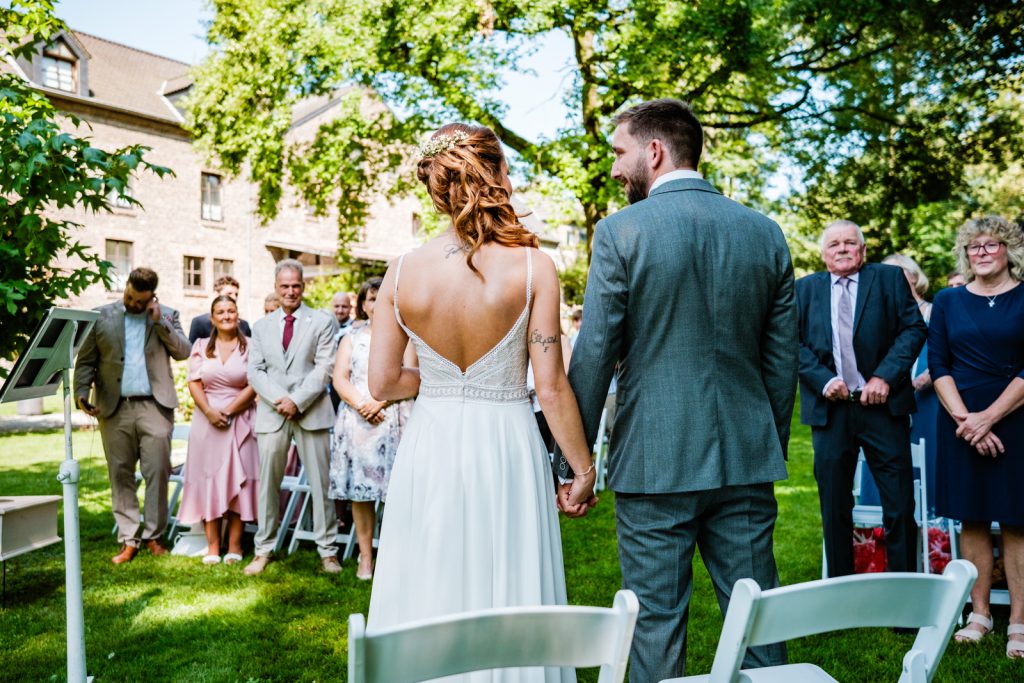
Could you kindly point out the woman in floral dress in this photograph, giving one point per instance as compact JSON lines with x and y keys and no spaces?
{"x":367,"y":431}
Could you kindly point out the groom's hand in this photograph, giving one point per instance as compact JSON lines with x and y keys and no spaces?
{"x":562,"y":496}
{"x":565,"y":496}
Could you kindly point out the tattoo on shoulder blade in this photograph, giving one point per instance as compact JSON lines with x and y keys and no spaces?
{"x":538,"y":338}
{"x":453,"y":249}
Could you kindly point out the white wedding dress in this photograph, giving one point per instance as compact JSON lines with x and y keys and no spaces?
{"x":471,"y":521}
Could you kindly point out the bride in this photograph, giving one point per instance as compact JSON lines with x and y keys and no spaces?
{"x":471,"y":519}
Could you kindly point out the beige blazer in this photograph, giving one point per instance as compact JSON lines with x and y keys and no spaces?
{"x":301,"y":373}
{"x":100,"y":362}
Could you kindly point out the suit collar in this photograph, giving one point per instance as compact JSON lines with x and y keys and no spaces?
{"x":683,"y":185}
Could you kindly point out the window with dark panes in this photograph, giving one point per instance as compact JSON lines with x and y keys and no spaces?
{"x":193,"y":272}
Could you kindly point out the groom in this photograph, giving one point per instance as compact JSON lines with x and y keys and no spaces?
{"x":692,"y":295}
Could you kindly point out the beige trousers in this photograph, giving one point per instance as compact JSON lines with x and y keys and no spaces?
{"x":314,"y":454}
{"x":138,"y":433}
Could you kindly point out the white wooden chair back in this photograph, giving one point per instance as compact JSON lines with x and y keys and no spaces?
{"x":930,"y":602}
{"x":563,"y":636}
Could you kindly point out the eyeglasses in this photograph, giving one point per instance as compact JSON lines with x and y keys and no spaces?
{"x":989,"y":247}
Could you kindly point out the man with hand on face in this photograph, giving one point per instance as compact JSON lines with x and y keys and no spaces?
{"x":125,"y":363}
{"x":291,"y":358}
{"x":860,"y":332}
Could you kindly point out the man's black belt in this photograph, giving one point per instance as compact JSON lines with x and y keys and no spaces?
{"x":855,"y":396}
{"x":135,"y":399}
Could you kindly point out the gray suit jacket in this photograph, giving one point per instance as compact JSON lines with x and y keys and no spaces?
{"x":100,"y":362}
{"x":301,"y":372}
{"x":692,"y":295}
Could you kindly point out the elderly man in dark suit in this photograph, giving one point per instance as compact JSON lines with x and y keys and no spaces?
{"x":692,"y":295}
{"x":860,"y":332}
{"x":126,"y":363}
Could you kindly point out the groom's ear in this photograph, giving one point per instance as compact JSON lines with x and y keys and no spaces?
{"x":656,"y":153}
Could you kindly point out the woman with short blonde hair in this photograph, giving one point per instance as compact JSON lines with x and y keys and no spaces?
{"x":976,"y":357}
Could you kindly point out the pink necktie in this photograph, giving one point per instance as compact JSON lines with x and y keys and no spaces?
{"x":289,"y":329}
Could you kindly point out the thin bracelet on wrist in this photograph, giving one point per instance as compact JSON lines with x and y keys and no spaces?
{"x":587,"y":471}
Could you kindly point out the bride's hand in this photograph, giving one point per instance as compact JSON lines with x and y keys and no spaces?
{"x":581,"y":493}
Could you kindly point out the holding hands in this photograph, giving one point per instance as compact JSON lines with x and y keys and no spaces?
{"x":576,"y":498}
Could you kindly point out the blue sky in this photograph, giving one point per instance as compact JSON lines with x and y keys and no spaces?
{"x":175,"y":28}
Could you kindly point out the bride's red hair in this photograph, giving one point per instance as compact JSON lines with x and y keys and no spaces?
{"x":465,"y":182}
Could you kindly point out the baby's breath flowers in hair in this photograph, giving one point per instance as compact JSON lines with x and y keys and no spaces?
{"x":431,"y":147}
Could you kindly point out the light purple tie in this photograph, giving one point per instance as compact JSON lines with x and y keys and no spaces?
{"x":851,"y":376}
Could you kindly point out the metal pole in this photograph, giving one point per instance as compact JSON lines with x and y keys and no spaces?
{"x":68,"y":476}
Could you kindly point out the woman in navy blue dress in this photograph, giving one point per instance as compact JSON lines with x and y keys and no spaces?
{"x":976,"y":359}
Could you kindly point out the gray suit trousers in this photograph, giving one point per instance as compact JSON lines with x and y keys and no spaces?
{"x":314,"y":454}
{"x":657,"y":533}
{"x":138,"y":432}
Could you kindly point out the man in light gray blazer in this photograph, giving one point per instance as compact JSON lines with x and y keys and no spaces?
{"x":291,"y":357}
{"x":125,"y":363}
{"x":692,"y":295}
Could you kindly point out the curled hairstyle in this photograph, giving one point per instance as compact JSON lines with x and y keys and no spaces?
{"x":211,"y":346}
{"x":371,"y":285}
{"x":465,"y":182}
{"x":999,"y":228}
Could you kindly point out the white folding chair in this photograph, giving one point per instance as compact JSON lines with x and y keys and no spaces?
{"x":177,"y":479}
{"x":298,"y":487}
{"x":929,"y":602}
{"x":871,"y":515}
{"x":559,"y":636}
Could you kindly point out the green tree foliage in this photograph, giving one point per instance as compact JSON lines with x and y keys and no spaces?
{"x":43,"y":170}
{"x":825,"y":84}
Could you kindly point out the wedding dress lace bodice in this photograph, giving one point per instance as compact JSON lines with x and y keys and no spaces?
{"x":499,"y":376}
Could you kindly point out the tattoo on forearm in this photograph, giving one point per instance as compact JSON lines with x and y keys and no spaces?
{"x":453,"y":249}
{"x":538,"y":338}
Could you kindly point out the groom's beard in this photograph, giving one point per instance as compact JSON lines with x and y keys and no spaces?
{"x":637,"y":181}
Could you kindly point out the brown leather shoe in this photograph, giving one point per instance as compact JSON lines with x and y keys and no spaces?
{"x":331,"y":565}
{"x":153,"y":546}
{"x":127,"y":554}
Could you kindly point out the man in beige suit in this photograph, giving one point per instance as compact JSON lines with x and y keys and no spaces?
{"x":291,"y":357}
{"x":125,"y":363}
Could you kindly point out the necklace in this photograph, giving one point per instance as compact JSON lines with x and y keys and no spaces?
{"x":991,"y":300}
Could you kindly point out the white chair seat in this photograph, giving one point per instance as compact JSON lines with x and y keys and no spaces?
{"x":924,"y":601}
{"x":565,"y":636}
{"x":788,"y":673}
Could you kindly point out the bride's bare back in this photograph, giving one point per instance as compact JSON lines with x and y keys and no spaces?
{"x":454,"y":311}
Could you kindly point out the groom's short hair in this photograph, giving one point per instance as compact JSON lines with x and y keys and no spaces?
{"x":672,"y":122}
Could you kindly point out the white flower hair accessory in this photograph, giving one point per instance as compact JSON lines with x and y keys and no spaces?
{"x":431,"y":147}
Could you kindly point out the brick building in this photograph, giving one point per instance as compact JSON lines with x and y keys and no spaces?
{"x":199,"y":224}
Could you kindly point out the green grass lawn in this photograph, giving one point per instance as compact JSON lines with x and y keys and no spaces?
{"x":51,"y":404}
{"x":172,"y":619}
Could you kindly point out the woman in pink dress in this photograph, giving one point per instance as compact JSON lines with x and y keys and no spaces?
{"x":222,"y":470}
